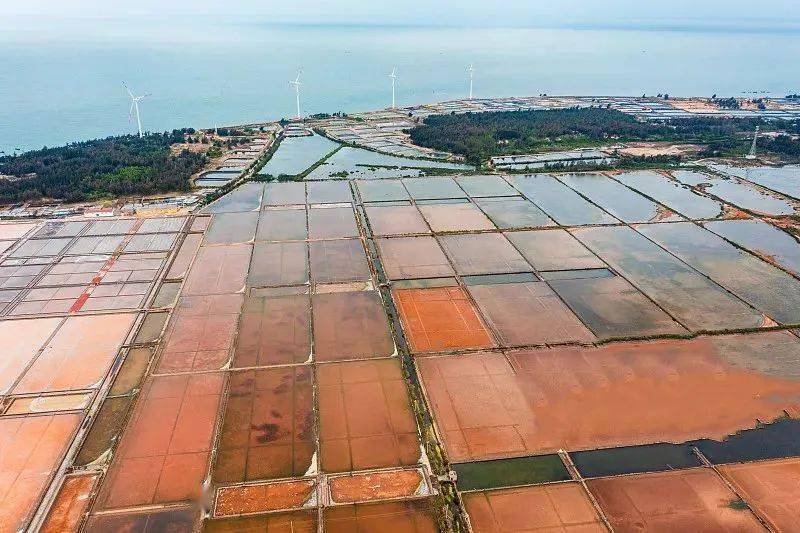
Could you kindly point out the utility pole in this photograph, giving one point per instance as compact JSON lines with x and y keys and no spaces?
{"x":752,"y":154}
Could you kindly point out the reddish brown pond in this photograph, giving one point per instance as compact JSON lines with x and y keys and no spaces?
{"x":365,"y":418}
{"x":771,"y":488}
{"x":267,"y":427}
{"x":164,"y":452}
{"x":350,"y":325}
{"x":563,"y":507}
{"x":681,"y":500}
{"x":440,"y":318}
{"x":397,"y":517}
{"x":493,"y":405}
{"x":274,"y":330}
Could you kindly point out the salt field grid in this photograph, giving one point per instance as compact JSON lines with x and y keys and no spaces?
{"x":319,"y":355}
{"x":316,"y":157}
{"x":387,"y":130}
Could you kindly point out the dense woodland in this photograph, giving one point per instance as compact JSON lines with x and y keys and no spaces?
{"x":478,"y":136}
{"x":115,"y":166}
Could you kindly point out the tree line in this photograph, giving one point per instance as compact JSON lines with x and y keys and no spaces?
{"x":478,"y":136}
{"x":115,"y":166}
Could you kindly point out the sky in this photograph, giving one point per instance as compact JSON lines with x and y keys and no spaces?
{"x":530,"y":13}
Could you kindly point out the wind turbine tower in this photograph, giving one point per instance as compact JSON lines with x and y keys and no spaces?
{"x":297,"y":85}
{"x":752,"y":154}
{"x":135,"y":108}
{"x":393,"y":76}
{"x":471,"y":71}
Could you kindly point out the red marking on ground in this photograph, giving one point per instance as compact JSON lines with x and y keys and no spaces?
{"x":80,"y":302}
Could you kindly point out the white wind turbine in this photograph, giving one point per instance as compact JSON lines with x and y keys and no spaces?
{"x":471,"y":71}
{"x":297,"y":85}
{"x":393,"y":76}
{"x":135,"y":107}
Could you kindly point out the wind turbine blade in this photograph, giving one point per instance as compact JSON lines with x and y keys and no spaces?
{"x":127,"y":89}
{"x":130,"y":113}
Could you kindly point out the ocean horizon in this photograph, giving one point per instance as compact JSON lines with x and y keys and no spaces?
{"x":65,"y":84}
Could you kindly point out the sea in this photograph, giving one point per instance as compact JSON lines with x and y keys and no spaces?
{"x":59,"y":86}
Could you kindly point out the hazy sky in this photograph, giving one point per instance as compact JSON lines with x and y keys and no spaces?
{"x":738,"y":13}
